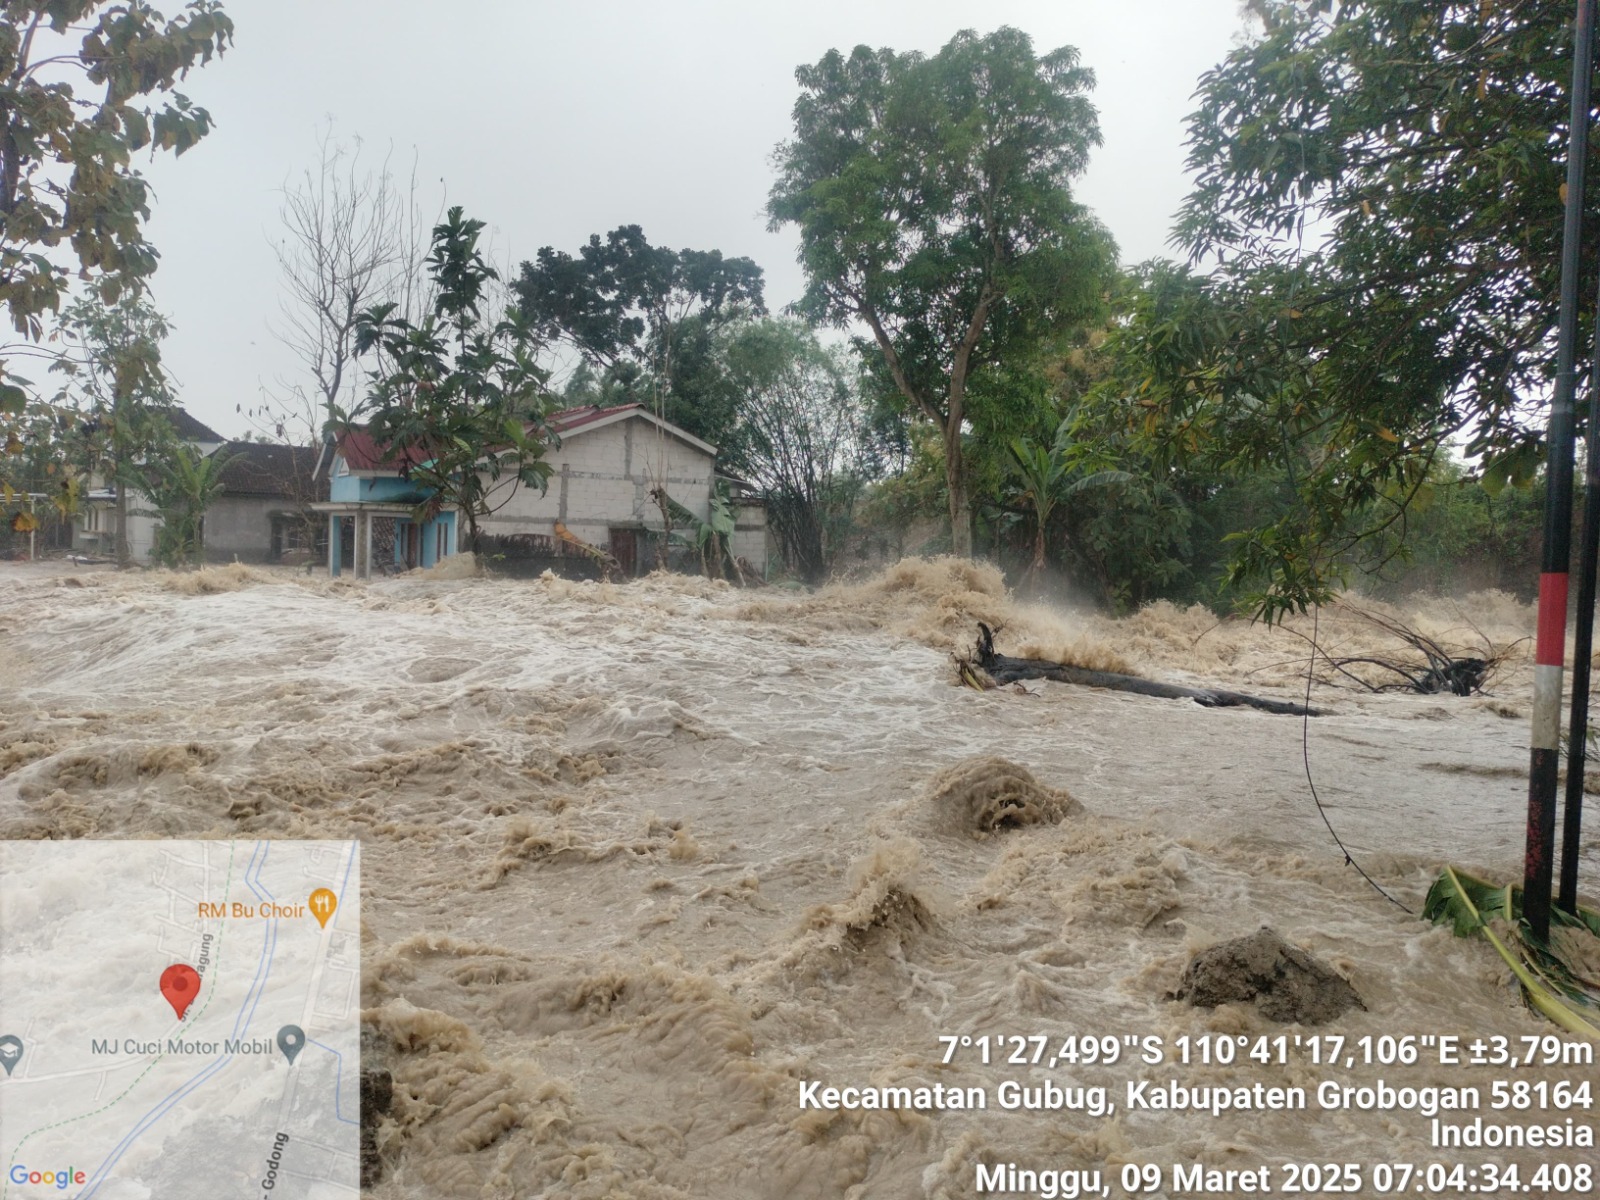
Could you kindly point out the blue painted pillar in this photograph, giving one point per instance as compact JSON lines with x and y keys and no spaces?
{"x":333,"y":545}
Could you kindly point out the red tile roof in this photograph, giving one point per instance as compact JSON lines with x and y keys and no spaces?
{"x":569,"y":419}
{"x":361,"y":452}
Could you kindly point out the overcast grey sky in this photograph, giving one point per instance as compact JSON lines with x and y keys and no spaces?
{"x":552,"y":121}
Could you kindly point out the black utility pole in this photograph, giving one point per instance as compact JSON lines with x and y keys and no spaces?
{"x":1550,"y":655}
{"x":1583,"y":644}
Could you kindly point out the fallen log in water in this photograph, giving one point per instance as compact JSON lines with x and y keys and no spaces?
{"x":1002,"y":668}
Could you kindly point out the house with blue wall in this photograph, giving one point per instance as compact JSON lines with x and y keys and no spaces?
{"x":608,"y":469}
{"x":378,"y":519}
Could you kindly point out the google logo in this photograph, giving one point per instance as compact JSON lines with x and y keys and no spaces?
{"x":21,"y":1174}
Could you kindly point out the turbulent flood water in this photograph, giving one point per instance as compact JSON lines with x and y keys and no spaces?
{"x":639,"y":860}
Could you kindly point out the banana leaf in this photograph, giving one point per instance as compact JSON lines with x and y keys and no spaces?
{"x":1469,"y":904}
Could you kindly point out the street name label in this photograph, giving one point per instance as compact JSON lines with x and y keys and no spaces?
{"x":180,"y":1020}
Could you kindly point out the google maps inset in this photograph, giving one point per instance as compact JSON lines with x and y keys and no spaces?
{"x":180,"y":1020}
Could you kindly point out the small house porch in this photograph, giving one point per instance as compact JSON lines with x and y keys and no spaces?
{"x":386,"y":537}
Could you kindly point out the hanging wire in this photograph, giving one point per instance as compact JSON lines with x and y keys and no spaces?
{"x":1305,"y":757}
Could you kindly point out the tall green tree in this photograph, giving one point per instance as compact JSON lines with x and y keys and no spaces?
{"x":646,"y":316}
{"x":801,"y":435}
{"x":129,"y":396}
{"x":932,"y":196}
{"x":458,"y":397}
{"x":1379,"y":201}
{"x":66,"y":150}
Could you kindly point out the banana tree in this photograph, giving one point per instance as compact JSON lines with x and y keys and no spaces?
{"x":1049,"y":476}
{"x":182,"y":483}
{"x":712,"y":538}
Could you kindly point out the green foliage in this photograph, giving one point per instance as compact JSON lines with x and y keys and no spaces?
{"x":181,"y":483}
{"x":647,"y":317}
{"x":1049,"y":476}
{"x":800,"y":435}
{"x":1420,"y":146}
{"x":459,"y":397}
{"x":1559,"y":990}
{"x":1460,"y":535}
{"x":893,"y":503}
{"x":711,"y":539}
{"x":932,"y":199}
{"x":618,"y":296}
{"x":118,"y":370}
{"x":43,"y":457}
{"x":66,"y":177}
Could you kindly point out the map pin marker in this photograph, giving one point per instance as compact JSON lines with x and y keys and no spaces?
{"x":180,"y":984}
{"x":291,"y":1040}
{"x":10,"y":1051}
{"x":323,"y":902}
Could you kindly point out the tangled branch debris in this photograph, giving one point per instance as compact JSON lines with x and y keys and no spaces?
{"x":1003,"y":669}
{"x":1433,"y":671}
{"x":610,"y":568}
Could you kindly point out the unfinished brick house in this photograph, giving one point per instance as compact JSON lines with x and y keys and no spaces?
{"x":604,"y":473}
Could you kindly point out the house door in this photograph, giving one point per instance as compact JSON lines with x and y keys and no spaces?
{"x":625,"y":549}
{"x":413,"y":550}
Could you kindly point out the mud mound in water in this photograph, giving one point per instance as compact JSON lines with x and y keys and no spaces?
{"x":1282,"y":982}
{"x":889,"y":905}
{"x":208,"y":581}
{"x":454,"y":566}
{"x":978,"y":796}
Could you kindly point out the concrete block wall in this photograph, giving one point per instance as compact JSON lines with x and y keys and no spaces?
{"x":602,"y":478}
{"x":240,"y":527}
{"x":751,"y":539}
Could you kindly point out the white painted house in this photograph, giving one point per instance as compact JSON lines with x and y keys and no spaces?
{"x":94,"y":529}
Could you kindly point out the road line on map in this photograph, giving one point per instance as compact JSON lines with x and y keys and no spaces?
{"x":5,"y":1185}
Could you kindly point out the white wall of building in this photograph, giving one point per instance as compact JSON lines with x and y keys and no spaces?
{"x":602,"y":478}
{"x":751,"y":540}
{"x":94,"y":528}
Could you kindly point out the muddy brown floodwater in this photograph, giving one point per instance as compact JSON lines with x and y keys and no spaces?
{"x":639,"y":860}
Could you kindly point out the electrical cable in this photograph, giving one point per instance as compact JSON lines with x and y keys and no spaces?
{"x":1305,"y":756}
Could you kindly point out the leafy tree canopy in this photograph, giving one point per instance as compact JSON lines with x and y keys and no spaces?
{"x":801,"y":435}
{"x":460,"y":393}
{"x":617,"y":298}
{"x":647,"y":317}
{"x":933,"y":203}
{"x":66,"y":174}
{"x":1381,"y":182}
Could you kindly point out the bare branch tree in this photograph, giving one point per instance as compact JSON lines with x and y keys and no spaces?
{"x":351,"y":234}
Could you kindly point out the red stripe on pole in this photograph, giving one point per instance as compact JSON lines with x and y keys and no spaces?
{"x":1551,"y":649}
